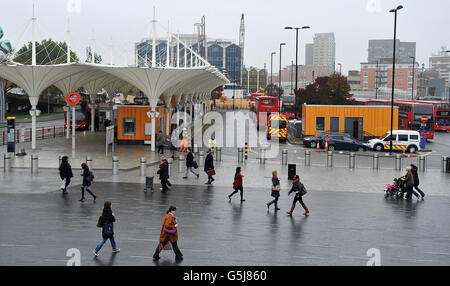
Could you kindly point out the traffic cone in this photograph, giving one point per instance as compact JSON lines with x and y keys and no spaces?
{"x":318,"y":147}
{"x":326,"y":146}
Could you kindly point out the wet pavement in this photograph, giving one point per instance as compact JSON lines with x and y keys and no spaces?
{"x":38,"y":229}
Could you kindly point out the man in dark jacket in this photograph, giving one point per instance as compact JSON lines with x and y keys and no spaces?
{"x":65,"y":172}
{"x":164,"y":175}
{"x":189,"y":164}
{"x":209,"y":165}
{"x":414,"y":170}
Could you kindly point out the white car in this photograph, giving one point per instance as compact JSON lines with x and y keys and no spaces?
{"x":402,"y":140}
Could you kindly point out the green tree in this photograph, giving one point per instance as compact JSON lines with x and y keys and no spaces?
{"x":332,"y":90}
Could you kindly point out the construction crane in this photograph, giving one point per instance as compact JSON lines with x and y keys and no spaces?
{"x":241,"y":42}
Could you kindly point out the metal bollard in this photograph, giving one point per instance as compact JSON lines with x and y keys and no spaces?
{"x":181,"y":164}
{"x":219,"y":154}
{"x":444,"y":164}
{"x":170,"y":161}
{"x":307,"y":158}
{"x":246,"y":151}
{"x":240,"y":154}
{"x":201,"y":158}
{"x":7,"y":162}
{"x":34,"y":163}
{"x":115,"y":165}
{"x":284,"y":155}
{"x":89,"y":162}
{"x":351,"y":160}
{"x":398,"y":162}
{"x":60,"y":160}
{"x":143,"y":166}
{"x":262,"y":156}
{"x":422,"y":163}
{"x":330,"y":159}
{"x":376,"y":161}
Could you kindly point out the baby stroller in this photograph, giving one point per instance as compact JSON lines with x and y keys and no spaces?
{"x":396,"y":190}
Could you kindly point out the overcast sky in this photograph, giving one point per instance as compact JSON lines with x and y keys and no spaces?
{"x":122,"y":23}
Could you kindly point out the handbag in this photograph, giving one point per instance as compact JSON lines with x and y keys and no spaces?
{"x":100,"y":222}
{"x":195,"y":165}
{"x":303,"y":191}
{"x":211,"y":172}
{"x":63,"y":184}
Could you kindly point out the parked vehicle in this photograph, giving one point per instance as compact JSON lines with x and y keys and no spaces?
{"x":403,"y":140}
{"x":340,"y":142}
{"x":311,"y":142}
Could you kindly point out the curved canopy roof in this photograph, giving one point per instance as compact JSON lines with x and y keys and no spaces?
{"x":152,"y":81}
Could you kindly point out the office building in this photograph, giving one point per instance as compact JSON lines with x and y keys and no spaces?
{"x":354,"y":80}
{"x":253,"y":79}
{"x":383,"y":49}
{"x":440,"y":62}
{"x":309,"y":54}
{"x":324,"y":51}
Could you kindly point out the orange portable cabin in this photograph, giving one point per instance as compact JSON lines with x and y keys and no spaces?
{"x":360,"y":121}
{"x":134,"y":125}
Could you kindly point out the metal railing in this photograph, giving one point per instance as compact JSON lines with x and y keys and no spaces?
{"x":41,"y":133}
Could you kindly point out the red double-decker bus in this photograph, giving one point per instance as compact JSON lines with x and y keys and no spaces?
{"x":288,"y":106}
{"x":253,"y":98}
{"x":441,"y":114}
{"x":265,"y":106}
{"x":411,"y":114}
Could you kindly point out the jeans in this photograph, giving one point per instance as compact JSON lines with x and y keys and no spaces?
{"x":111,"y":239}
{"x":419,"y":190}
{"x":410,"y":192}
{"x":192,"y":171}
{"x":237,"y":189}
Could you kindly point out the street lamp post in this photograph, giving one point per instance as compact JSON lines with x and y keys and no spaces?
{"x":413,"y":74}
{"x":279,"y":82}
{"x":296,"y":52}
{"x":271,"y":67}
{"x":376,"y":82}
{"x":340,"y":69}
{"x":393,"y":72}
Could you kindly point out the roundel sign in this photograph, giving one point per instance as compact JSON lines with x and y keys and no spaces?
{"x":73,"y":98}
{"x":424,"y":119}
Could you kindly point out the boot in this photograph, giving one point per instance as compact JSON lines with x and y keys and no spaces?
{"x":306,"y":209}
{"x":291,"y":211}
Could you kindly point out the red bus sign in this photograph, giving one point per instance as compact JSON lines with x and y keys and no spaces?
{"x":424,"y":119}
{"x":73,"y":98}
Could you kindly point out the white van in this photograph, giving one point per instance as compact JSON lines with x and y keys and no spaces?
{"x":403,"y":140}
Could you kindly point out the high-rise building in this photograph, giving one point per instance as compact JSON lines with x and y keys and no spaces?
{"x":354,"y":80}
{"x":253,"y":79}
{"x":383,"y":49}
{"x":324,"y":50}
{"x":440,"y":63}
{"x":309,"y":54}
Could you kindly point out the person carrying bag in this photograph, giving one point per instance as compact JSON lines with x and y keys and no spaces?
{"x":299,"y":190}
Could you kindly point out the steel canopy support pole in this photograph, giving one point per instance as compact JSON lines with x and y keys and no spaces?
{"x":73,"y":132}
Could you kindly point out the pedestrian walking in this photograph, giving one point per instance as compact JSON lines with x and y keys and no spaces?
{"x":106,"y":222}
{"x":164,"y":175}
{"x":209,"y":166}
{"x":409,"y":182}
{"x":275,"y":191}
{"x":169,"y":233}
{"x":160,"y":140}
{"x":299,"y":189}
{"x":172,"y":147}
{"x":88,"y":180}
{"x":65,"y":172}
{"x":190,"y":164}
{"x":414,"y":171}
{"x":237,"y":184}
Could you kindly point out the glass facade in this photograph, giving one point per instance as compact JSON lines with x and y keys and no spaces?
{"x":233,"y":63}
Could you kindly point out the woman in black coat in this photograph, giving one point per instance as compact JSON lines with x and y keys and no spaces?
{"x":65,"y":172}
{"x":88,"y":179}
{"x":299,"y":191}
{"x":106,"y":222}
{"x":164,"y":175}
{"x":209,"y":165}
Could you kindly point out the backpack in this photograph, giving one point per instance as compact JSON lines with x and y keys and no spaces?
{"x":108,"y":228}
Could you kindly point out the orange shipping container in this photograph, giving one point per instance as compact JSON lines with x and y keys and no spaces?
{"x":361,"y":122}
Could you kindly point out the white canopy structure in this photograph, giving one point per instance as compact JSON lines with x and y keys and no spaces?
{"x":189,"y":81}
